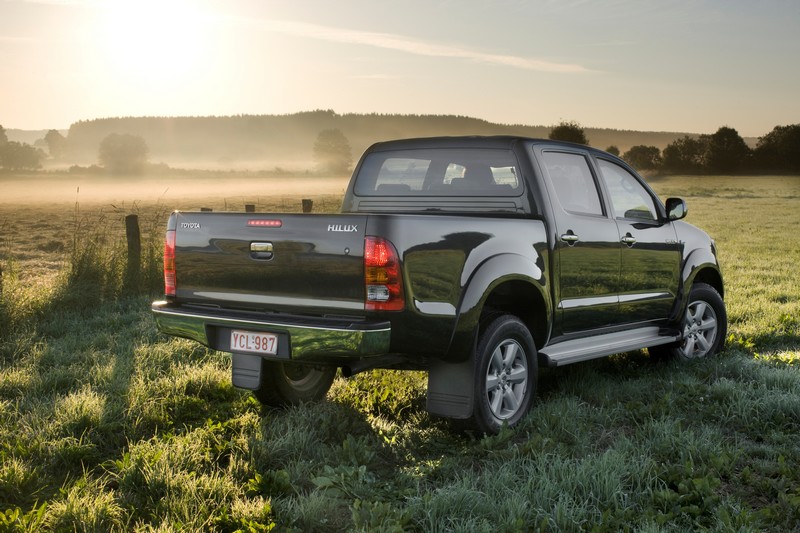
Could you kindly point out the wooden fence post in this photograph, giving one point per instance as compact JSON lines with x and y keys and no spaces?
{"x":134,"y":252}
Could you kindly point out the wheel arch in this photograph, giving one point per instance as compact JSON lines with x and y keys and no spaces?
{"x":701,"y":264}
{"x":709,"y":276}
{"x":521,"y":299}
{"x":505,"y":284}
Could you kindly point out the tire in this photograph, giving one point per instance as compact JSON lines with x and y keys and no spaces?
{"x":284,"y":384}
{"x":704,"y":327}
{"x":506,"y":373}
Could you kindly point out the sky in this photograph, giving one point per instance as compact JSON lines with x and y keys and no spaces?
{"x":652,"y":65}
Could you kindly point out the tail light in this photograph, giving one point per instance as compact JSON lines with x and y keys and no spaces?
{"x":382,"y":278}
{"x":169,"y":264}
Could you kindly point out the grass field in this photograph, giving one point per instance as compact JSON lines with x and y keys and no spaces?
{"x":106,"y":425}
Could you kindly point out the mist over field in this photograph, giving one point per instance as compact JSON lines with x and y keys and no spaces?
{"x":45,"y":217}
{"x":174,"y":191}
{"x":257,"y":142}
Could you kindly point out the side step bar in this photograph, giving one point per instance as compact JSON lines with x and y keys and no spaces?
{"x":575,"y":351}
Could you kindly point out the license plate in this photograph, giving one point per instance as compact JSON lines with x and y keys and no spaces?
{"x":254,"y":342}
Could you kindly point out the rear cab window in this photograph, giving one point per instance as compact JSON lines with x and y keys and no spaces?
{"x":450,"y":172}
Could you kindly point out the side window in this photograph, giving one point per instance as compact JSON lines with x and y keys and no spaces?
{"x":573,"y":182}
{"x":629,"y":198}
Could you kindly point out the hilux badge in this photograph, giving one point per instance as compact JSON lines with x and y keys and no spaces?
{"x":343,"y":228}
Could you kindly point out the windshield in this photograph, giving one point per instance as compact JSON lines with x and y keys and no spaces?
{"x":440,"y":172}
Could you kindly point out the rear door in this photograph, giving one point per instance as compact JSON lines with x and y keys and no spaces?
{"x":587,"y":245}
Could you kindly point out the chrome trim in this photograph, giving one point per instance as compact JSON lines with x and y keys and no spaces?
{"x":270,"y":300}
{"x":645,"y":296}
{"x":307,"y":342}
{"x":261,"y":247}
{"x":592,"y":301}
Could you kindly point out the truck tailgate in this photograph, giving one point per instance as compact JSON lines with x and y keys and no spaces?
{"x":271,"y":262}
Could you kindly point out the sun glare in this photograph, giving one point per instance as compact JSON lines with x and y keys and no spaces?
{"x":152,"y":40}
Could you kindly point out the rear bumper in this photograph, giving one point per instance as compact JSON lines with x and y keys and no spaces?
{"x":319,"y":340}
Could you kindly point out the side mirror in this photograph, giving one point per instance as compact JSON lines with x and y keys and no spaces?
{"x":676,"y":208}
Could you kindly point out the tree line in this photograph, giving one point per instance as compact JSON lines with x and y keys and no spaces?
{"x":252,"y":141}
{"x":127,"y":154}
{"x":723,"y":152}
{"x":18,"y":156}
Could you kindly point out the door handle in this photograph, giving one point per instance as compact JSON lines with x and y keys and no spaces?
{"x":629,"y":239}
{"x":261,"y":250}
{"x":569,"y":238}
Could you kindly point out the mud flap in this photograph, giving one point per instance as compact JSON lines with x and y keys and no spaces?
{"x":246,"y":371}
{"x":450,"y":389}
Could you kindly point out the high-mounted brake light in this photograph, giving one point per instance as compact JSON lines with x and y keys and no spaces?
{"x":169,"y":264}
{"x":382,"y":278}
{"x":264,"y":223}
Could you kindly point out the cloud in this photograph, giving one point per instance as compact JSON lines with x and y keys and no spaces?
{"x":409,"y":45}
{"x":65,"y":3}
{"x":382,"y":77}
{"x":12,"y":39}
{"x":612,"y":44}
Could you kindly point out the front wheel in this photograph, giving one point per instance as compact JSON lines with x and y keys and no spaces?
{"x":285,"y":384}
{"x":505,"y":374}
{"x":704,"y":326}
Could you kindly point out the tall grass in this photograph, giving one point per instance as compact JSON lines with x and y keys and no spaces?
{"x":106,"y":425}
{"x":98,"y":254}
{"x":94,"y":268}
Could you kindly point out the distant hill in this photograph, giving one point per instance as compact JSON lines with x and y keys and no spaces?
{"x":269,"y":141}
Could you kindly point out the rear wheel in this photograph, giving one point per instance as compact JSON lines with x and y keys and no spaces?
{"x":505,"y":374}
{"x":292,"y":383}
{"x":704,"y":326}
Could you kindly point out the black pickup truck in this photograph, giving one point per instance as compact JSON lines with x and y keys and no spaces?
{"x":476,"y":259}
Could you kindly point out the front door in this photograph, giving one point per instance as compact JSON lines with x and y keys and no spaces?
{"x":651,"y":253}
